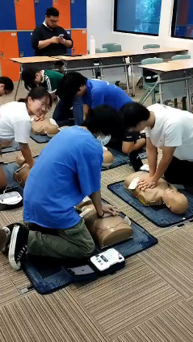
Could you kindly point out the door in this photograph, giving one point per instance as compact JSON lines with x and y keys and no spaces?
{"x":69,"y":50}
{"x":79,"y":38}
{"x":63,"y":6}
{"x":78,"y":14}
{"x":9,"y":49}
{"x":24,"y":43}
{"x":25,"y":14}
{"x":40,"y":10}
{"x":7,"y":15}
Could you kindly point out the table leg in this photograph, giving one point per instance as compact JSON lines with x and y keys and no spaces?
{"x":18,"y":84}
{"x":133,"y":78}
{"x":188,"y":102}
{"x":126,"y":76}
{"x":160,"y":89}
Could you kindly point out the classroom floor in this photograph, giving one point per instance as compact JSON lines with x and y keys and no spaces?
{"x":150,"y":300}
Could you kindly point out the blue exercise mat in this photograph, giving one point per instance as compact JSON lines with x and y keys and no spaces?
{"x":49,"y":275}
{"x":121,"y":159}
{"x":14,"y":147}
{"x":159,"y":215}
{"x":40,"y":139}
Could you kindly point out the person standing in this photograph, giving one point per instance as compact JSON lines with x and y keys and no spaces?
{"x":49,"y":39}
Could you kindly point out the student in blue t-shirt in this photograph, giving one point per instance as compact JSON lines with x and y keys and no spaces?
{"x":68,"y":169}
{"x":94,"y":93}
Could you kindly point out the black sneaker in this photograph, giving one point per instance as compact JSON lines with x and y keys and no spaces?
{"x":5,"y":235}
{"x":18,"y":246}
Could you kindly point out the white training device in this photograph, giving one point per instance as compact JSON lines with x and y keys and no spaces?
{"x":10,"y":198}
{"x":106,"y":259}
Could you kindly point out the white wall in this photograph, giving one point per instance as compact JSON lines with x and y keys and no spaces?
{"x":100,"y":24}
{"x":100,"y":21}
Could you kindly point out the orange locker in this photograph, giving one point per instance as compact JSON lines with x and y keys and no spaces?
{"x":25,"y":14}
{"x":63,"y":6}
{"x":79,"y":38}
{"x":9,"y":49}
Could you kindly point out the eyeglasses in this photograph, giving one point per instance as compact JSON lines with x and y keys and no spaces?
{"x":44,"y":105}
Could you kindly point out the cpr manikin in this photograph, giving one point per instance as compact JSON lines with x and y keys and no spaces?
{"x":47,"y":126}
{"x":107,"y":158}
{"x":163,"y":193}
{"x":108,"y":230}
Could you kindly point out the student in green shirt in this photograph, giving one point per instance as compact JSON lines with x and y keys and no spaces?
{"x":49,"y":79}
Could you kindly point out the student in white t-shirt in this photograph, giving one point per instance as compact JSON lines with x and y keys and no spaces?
{"x":15,"y":122}
{"x":171,"y":130}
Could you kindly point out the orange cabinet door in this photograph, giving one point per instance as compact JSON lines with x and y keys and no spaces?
{"x":9,"y":49}
{"x":79,"y":38}
{"x":63,"y":6}
{"x":25,"y":14}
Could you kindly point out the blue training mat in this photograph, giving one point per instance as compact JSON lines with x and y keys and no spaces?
{"x":159,"y":215}
{"x":14,"y":147}
{"x":40,"y":139}
{"x":47,"y":277}
{"x":121,"y":159}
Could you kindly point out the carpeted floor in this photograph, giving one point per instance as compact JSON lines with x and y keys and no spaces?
{"x":151,"y":300}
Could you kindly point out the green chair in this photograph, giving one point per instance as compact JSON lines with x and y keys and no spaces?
{"x":179,"y":57}
{"x":103,"y":50}
{"x":112,"y":47}
{"x":150,"y":79}
{"x":151,"y":46}
{"x":148,"y":46}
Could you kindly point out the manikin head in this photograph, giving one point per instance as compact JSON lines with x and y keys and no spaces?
{"x":38,"y":102}
{"x":176,"y":202}
{"x":52,"y":17}
{"x":107,"y":158}
{"x":32,"y":77}
{"x":6,"y":86}
{"x":136,"y":117}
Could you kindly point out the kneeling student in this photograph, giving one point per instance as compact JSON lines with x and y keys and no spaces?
{"x":48,"y":79}
{"x":15,"y":123}
{"x":6,"y":86}
{"x":68,"y":169}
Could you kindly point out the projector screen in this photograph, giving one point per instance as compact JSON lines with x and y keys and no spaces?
{"x":182,"y":23}
{"x":137,"y":16}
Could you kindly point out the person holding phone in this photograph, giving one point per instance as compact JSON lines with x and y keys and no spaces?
{"x":49,"y":39}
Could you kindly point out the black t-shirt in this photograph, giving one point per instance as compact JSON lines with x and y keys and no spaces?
{"x":42,"y":33}
{"x":130,"y":137}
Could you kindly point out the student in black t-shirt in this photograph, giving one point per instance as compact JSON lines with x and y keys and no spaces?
{"x":106,"y":120}
{"x":49,"y":39}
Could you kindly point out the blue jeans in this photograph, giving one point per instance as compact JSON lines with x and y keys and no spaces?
{"x":62,"y":113}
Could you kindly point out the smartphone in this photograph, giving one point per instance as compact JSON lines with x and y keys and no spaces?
{"x":81,"y":270}
{"x":61,"y":35}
